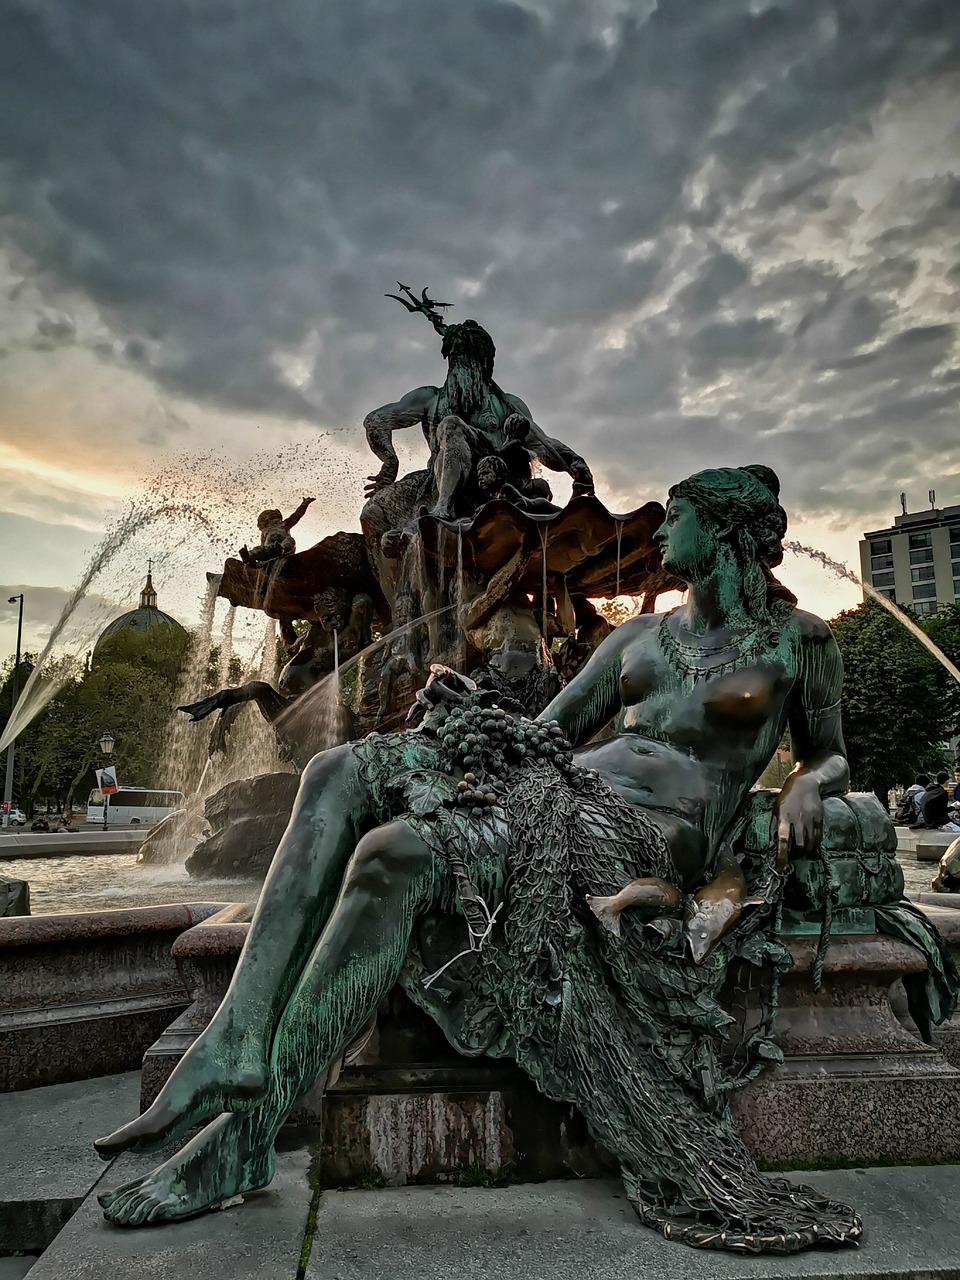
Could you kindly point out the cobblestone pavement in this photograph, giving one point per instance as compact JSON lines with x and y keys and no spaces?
{"x":916,"y":875}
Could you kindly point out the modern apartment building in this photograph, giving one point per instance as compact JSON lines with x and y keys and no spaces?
{"x":917,"y":561}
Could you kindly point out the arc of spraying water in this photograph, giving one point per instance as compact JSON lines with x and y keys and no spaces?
{"x":40,"y":687}
{"x":319,"y":690}
{"x":844,"y":571}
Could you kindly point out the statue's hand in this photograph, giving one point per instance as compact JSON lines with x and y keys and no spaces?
{"x":798,"y":816}
{"x":385,"y":476}
{"x":583,"y":486}
{"x":516,"y":426}
{"x":305,"y":502}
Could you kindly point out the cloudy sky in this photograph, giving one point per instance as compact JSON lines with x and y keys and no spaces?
{"x":700,"y":232}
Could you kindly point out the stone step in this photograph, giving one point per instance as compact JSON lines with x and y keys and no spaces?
{"x":588,"y":1230}
{"x":260,"y":1239}
{"x":49,"y":1164}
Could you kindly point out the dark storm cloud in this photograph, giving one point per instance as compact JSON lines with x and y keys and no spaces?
{"x":606,"y":189}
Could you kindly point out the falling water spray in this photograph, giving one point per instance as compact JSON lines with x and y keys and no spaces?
{"x":42,"y":685}
{"x":844,"y":571}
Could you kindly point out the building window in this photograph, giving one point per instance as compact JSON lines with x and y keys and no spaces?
{"x":891,"y":594}
{"x":955,"y":536}
{"x":924,"y":574}
{"x":920,"y":540}
{"x":925,"y":608}
{"x":956,"y":587}
{"x":885,"y":579}
{"x":926,"y":591}
{"x":924,"y":556}
{"x":881,"y":562}
{"x":956,"y":568}
{"x":884,"y":547}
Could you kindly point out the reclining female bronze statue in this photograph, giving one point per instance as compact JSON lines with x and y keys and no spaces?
{"x":516,"y":823}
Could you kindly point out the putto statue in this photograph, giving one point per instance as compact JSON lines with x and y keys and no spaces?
{"x":275,"y":539}
{"x":597,"y":885}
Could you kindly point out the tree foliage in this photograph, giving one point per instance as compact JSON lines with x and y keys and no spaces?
{"x":943,"y":628}
{"x":130,"y":689}
{"x":896,"y":709}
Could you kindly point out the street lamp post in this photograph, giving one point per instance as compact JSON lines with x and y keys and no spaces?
{"x":106,"y":746}
{"x":8,"y":781}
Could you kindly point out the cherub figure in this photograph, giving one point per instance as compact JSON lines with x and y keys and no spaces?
{"x":494,"y":481}
{"x":275,"y":539}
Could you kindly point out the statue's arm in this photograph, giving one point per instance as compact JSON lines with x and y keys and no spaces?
{"x":296,"y":516}
{"x":592,"y":698}
{"x":480,"y":608}
{"x":816,"y":738}
{"x":361,"y":612}
{"x":381,"y":424}
{"x":554,"y":453}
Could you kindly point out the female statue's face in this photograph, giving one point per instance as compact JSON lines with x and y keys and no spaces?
{"x":687,"y":546}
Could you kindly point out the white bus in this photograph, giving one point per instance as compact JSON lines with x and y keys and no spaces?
{"x":133,"y":806}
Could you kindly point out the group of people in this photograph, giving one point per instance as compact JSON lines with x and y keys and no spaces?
{"x":931,"y":804}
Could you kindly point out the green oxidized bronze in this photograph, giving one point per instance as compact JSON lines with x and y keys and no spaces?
{"x":595,"y":891}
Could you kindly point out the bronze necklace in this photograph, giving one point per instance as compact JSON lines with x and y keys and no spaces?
{"x":698,"y":662}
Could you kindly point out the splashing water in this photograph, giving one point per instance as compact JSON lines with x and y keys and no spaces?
{"x":184,"y":752}
{"x":315,"y":710}
{"x":544,"y":535}
{"x":458,"y":600}
{"x":844,"y":571}
{"x":619,"y":524}
{"x":43,"y":682}
{"x":268,"y":663}
{"x":226,"y":644}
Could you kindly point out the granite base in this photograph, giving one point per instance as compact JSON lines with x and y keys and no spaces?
{"x":85,"y":994}
{"x":407,"y":1109}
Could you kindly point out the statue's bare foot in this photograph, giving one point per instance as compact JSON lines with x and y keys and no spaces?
{"x":202,"y":1086}
{"x":216,"y":1165}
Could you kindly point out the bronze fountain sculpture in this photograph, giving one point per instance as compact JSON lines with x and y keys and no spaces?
{"x":592,"y":877}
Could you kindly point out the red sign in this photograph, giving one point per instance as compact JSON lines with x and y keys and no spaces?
{"x":107,"y":780}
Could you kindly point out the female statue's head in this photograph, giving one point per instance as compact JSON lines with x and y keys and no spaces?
{"x":728,"y":518}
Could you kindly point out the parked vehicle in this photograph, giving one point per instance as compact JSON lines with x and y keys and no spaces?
{"x":16,"y":818}
{"x":133,"y":806}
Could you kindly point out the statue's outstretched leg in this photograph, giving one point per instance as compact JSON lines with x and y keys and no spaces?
{"x":227,"y":1067}
{"x":271,"y":703}
{"x":355,"y":963}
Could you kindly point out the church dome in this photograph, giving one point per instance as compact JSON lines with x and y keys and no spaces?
{"x":139,"y":619}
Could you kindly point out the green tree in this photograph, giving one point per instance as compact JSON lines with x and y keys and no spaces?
{"x":130,"y":689}
{"x":894,"y":710}
{"x":943,"y":628}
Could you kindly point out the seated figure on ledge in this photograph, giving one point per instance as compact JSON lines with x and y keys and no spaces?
{"x":601,"y":895}
{"x":495,"y":481}
{"x":463,"y":421}
{"x":275,"y":539}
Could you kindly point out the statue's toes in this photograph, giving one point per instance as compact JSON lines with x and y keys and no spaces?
{"x":117,"y":1204}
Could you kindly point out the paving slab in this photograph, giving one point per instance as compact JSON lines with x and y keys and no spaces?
{"x":587,"y":1230}
{"x":15,"y":1268}
{"x":49,"y":1164}
{"x":260,"y":1239}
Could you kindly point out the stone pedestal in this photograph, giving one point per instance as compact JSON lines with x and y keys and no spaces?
{"x":83,"y":995}
{"x":944,"y":910}
{"x":857,"y":1082}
